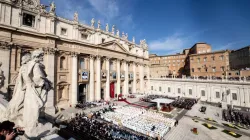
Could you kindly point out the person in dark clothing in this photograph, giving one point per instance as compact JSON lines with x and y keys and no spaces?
{"x":6,"y":130}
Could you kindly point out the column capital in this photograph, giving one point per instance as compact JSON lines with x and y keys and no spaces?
{"x":49,"y":50}
{"x":91,"y":56}
{"x":5,"y":45}
{"x":107,"y":58}
{"x":73,"y":54}
{"x":124,"y":61}
{"x":98,"y":57}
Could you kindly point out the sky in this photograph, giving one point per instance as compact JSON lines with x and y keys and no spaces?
{"x":169,"y":26}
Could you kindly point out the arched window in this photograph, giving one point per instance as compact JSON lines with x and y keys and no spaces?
{"x":62,"y":63}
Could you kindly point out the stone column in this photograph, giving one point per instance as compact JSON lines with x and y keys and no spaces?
{"x":98,"y":78}
{"x":5,"y":59}
{"x":148,"y":76}
{"x":134,"y":78}
{"x":125,"y":87}
{"x":118,"y":84}
{"x":50,"y":70}
{"x":141,"y":75}
{"x":74,"y":79}
{"x":107,"y":93}
{"x":91,"y":79}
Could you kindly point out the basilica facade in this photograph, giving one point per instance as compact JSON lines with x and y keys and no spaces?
{"x":84,"y":62}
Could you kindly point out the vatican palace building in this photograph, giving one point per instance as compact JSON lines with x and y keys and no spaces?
{"x":84,"y":62}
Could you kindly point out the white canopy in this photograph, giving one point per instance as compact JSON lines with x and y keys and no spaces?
{"x":162,"y":100}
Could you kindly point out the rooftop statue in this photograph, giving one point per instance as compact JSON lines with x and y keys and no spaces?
{"x":99,"y":24}
{"x":133,"y":40}
{"x":118,"y":33}
{"x":123,"y":35}
{"x":93,"y":22}
{"x":76,"y":16}
{"x":107,"y":27}
{"x":113,"y":29}
{"x":52,"y":7}
{"x":126,"y":36}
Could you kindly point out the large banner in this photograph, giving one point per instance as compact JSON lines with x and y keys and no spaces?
{"x":85,"y":75}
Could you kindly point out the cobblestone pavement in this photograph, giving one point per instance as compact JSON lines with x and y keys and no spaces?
{"x":183,"y":132}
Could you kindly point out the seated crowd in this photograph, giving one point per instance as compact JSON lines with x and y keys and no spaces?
{"x":184,"y":103}
{"x":85,"y":105}
{"x":140,"y":120}
{"x":96,"y":129}
{"x":236,"y":117}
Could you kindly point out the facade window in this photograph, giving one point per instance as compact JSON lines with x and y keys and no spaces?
{"x":221,"y":57}
{"x":84,"y":36}
{"x":190,"y":91}
{"x":152,"y":88}
{"x":179,"y":90}
{"x":236,"y":73}
{"x":82,"y":63}
{"x":222,"y":68}
{"x":234,"y":96}
{"x":28,"y":20}
{"x":198,"y":59}
{"x":192,"y":69}
{"x":169,"y":90}
{"x":217,"y":94}
{"x":62,"y":63}
{"x":63,"y":31}
{"x":205,"y":59}
{"x":103,"y":40}
{"x":199,"y":69}
{"x":206,"y":69}
{"x":203,"y":93}
{"x":214,"y":69}
{"x":159,"y":88}
{"x":213,"y":58}
{"x":229,"y":73}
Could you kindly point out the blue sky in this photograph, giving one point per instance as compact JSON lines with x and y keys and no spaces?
{"x":169,"y":25}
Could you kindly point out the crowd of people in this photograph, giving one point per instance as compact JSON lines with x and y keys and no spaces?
{"x":184,"y":103}
{"x":140,"y":120}
{"x":97,"y":129}
{"x":86,"y":105}
{"x":236,"y":117}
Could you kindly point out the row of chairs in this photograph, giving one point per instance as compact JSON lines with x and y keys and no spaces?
{"x":184,"y":103}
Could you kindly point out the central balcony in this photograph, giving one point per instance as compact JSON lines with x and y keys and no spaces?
{"x":113,"y":76}
{"x":122,"y":76}
{"x":83,"y":75}
{"x":104,"y":75}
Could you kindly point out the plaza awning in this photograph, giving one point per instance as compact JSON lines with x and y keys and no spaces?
{"x":162,"y":100}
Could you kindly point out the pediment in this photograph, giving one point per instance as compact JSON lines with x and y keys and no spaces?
{"x":115,"y":46}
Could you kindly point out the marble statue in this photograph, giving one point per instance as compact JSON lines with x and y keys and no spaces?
{"x":1,"y":76}
{"x":113,"y":29}
{"x":99,"y":24}
{"x":52,"y":7}
{"x":123,"y":35}
{"x":75,"y":16}
{"x":126,"y":36}
{"x":224,"y":97}
{"x":133,"y":40}
{"x":117,"y":33}
{"x":30,"y":92}
{"x":93,"y":22}
{"x":107,"y":27}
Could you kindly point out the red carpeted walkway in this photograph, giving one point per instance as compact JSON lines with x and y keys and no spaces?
{"x":134,"y":104}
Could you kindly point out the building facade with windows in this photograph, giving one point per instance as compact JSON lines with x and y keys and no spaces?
{"x":211,"y":91}
{"x":84,"y":62}
{"x":209,"y":64}
{"x":240,"y":59}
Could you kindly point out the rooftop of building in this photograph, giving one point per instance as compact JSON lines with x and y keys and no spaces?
{"x":247,"y":47}
{"x":207,"y":53}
